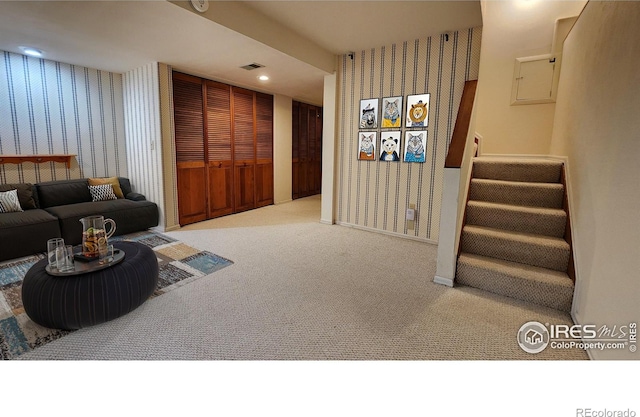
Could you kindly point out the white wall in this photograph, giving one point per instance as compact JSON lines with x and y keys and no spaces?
{"x":512,"y":29}
{"x":598,"y":128}
{"x":282,"y":149}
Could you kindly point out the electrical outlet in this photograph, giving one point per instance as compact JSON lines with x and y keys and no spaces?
{"x":411,"y":213}
{"x":411,"y":216}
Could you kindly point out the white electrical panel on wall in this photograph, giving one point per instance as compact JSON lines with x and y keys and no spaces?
{"x":535,"y":79}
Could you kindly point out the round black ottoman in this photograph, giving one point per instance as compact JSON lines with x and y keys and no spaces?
{"x":79,"y":301}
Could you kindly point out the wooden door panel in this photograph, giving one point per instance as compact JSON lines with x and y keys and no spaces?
{"x":190,"y":148}
{"x":192,"y":202}
{"x":220,"y":189}
{"x":264,"y":184}
{"x":295,"y":177}
{"x":244,"y":187}
{"x":317,"y":177}
{"x":303,"y":178}
{"x":220,"y":145}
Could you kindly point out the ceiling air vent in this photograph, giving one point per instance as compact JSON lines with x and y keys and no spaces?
{"x":253,"y":66}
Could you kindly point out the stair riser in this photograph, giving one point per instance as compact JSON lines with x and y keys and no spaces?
{"x":528,"y":253}
{"x":517,"y":221}
{"x":518,"y":171}
{"x":519,"y":194}
{"x":548,"y":295}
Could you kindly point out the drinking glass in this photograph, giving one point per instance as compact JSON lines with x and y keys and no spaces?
{"x":64,"y":258}
{"x":52,"y":245}
{"x":106,"y":254}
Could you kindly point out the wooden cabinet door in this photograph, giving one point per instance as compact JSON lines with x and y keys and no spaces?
{"x":219,"y":149}
{"x":264,"y":150}
{"x":244,"y":149}
{"x":190,"y":150}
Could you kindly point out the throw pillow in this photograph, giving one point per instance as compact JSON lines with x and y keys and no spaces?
{"x":102,"y":192}
{"x":9,"y":202}
{"x":111,"y":180}
{"x":25,"y":194}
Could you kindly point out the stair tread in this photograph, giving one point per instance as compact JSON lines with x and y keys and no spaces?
{"x":519,"y":208}
{"x":518,"y":169}
{"x":530,"y":238}
{"x":548,"y":185}
{"x":515,"y":269}
{"x":519,"y":193}
{"x":503,"y":160}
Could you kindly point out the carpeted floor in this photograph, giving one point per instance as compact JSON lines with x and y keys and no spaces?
{"x":301,"y":290}
{"x":179,"y":264}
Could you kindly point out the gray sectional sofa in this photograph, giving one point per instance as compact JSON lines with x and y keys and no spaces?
{"x":54,"y":209}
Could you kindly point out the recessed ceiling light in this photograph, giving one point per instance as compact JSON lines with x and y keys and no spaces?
{"x":31,"y":51}
{"x":263,"y":78}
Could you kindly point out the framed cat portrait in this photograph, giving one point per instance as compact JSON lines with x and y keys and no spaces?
{"x":417,"y":110}
{"x":390,"y":148}
{"x":392,"y":112}
{"x":415,"y":146}
{"x":367,"y":146}
{"x":369,"y":113}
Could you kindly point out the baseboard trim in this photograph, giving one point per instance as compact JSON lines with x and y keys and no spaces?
{"x":282,"y":201}
{"x":443,"y":281}
{"x":168,"y":229}
{"x":574,"y":317}
{"x":329,"y":222}
{"x":385,"y":232}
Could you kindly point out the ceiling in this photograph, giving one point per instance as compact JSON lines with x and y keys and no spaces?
{"x":120,"y":36}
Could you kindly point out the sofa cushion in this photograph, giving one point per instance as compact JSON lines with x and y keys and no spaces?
{"x":25,"y":194}
{"x":26,"y":233}
{"x":115,"y":183}
{"x":9,"y":202}
{"x":63,"y":192}
{"x":125,"y":186}
{"x":9,"y":220}
{"x":102,"y":192}
{"x":130,"y":216}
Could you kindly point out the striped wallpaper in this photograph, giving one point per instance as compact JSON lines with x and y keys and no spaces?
{"x":48,"y":107}
{"x":376,"y":194}
{"x":144,"y":136}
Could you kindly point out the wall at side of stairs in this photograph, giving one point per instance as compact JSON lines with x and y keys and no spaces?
{"x":598,"y":128}
{"x":512,"y":29}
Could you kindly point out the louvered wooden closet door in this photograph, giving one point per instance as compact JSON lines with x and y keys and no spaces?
{"x":311,"y":164}
{"x":303,"y":151}
{"x":190,"y":149}
{"x":244,"y":149}
{"x":317,"y":163}
{"x":295,"y":148}
{"x":264,"y":149}
{"x":219,"y":147}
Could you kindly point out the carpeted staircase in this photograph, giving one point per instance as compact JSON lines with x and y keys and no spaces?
{"x":512,"y":242}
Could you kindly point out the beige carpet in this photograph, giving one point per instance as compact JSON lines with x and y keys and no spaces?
{"x":303,"y":290}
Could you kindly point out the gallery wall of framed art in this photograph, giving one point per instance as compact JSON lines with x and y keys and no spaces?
{"x":387,"y":116}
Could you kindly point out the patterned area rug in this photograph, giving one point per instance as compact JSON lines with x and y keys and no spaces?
{"x":179,"y":264}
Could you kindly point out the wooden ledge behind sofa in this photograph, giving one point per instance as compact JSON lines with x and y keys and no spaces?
{"x":36,"y":159}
